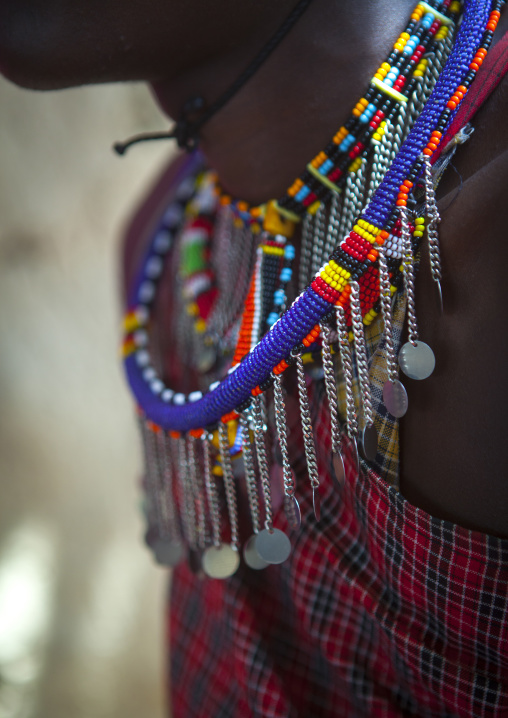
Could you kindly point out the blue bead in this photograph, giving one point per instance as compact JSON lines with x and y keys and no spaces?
{"x":289,"y":252}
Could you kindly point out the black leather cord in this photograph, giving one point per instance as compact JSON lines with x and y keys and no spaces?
{"x":186,"y":131}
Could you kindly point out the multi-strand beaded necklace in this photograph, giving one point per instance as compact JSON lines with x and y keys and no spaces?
{"x":366,"y":201}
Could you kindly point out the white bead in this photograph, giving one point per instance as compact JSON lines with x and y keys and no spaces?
{"x":146,"y":291}
{"x":162,"y":241}
{"x":167,"y":394}
{"x":140,"y":338}
{"x":213,"y":386}
{"x":154,"y":267}
{"x":179,"y":399}
{"x":195,"y":396}
{"x":156,"y":386}
{"x":149,"y":373}
{"x":185,"y":189}
{"x":142,"y":314}
{"x":173,"y":215}
{"x":142,"y":357}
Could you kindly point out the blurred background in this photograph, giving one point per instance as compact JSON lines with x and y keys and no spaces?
{"x":81,"y":603}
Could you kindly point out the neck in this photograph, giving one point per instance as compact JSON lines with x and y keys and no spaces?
{"x":290,"y":109}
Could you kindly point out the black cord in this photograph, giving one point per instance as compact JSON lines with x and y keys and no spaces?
{"x":185,"y":131}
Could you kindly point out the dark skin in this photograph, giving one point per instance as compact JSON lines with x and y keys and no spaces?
{"x":452,"y":439}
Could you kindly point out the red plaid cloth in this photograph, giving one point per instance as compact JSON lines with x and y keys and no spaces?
{"x":382,"y":610}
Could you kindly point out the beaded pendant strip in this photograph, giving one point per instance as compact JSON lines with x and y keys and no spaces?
{"x":374,"y":255}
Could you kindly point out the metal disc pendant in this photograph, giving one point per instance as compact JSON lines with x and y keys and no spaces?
{"x":338,"y":471}
{"x":251,"y":556}
{"x":168,"y":552}
{"x":292,"y":511}
{"x":316,"y":502}
{"x":417,"y":360}
{"x":395,"y":398}
{"x":220,"y":562}
{"x":272,"y":546}
{"x":368,"y":444}
{"x":206,"y":359}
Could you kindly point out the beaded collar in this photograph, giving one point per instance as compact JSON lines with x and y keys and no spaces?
{"x":374,"y":255}
{"x":353,"y":262}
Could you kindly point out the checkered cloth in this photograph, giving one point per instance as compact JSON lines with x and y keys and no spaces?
{"x":382,"y":610}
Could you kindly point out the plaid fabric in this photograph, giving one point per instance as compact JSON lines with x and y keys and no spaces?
{"x":381,"y":610}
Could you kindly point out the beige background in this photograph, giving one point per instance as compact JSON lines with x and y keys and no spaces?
{"x":81,"y":632}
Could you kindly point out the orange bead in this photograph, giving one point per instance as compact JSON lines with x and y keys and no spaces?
{"x":402,"y":202}
{"x":174,"y":434}
{"x":451,"y":105}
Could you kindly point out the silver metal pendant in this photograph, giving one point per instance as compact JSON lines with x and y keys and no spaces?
{"x":316,"y":502}
{"x":168,"y":552}
{"x":221,"y":562}
{"x":338,"y":471}
{"x":206,"y":359}
{"x":417,"y":360}
{"x":395,"y":398}
{"x":272,"y":546}
{"x":292,"y":511}
{"x":251,"y":556}
{"x":368,"y":444}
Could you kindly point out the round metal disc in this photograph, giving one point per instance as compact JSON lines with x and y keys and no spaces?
{"x":395,"y":398}
{"x":272,"y":546}
{"x":251,"y":556}
{"x":338,"y":471}
{"x":292,"y":511}
{"x":220,"y":562}
{"x":316,"y":503}
{"x":168,"y":552}
{"x":417,"y":361}
{"x":369,"y":443}
{"x":206,"y":359}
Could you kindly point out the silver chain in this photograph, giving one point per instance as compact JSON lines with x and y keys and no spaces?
{"x":229,"y":484}
{"x":331,"y":388}
{"x":306,"y":252}
{"x":189,"y":509}
{"x":305,"y":419}
{"x":361,"y":354}
{"x":332,"y":233}
{"x":409,"y":278}
{"x":319,"y":239}
{"x":259,"y":440}
{"x":347,"y":370}
{"x":151,"y":476}
{"x":197,"y":489}
{"x":211,"y":493}
{"x":385,"y":297}
{"x":281,"y":425}
{"x":250,"y":473}
{"x":434,"y":218}
{"x":168,"y":505}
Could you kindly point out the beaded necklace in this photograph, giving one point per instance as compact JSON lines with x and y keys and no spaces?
{"x":375,"y":254}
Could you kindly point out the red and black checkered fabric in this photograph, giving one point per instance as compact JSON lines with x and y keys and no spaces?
{"x":382,"y":610}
